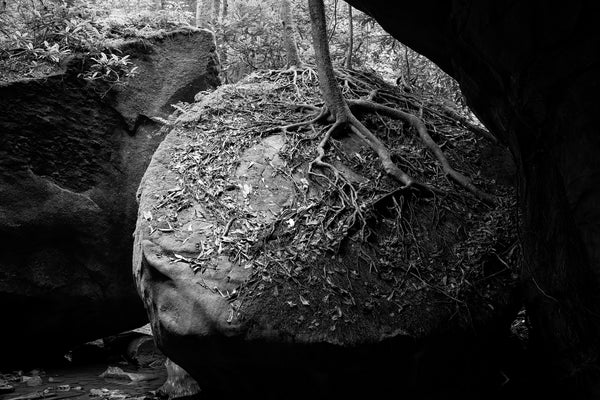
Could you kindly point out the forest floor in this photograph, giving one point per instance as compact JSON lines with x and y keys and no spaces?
{"x":107,"y":369}
{"x":353,"y":248}
{"x":82,"y":381}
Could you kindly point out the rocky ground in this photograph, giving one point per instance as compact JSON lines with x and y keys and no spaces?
{"x":127,"y":366}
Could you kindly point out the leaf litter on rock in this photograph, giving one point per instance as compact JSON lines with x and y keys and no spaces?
{"x":407,"y":256}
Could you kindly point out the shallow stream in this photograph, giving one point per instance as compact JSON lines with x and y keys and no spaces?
{"x":85,"y":382}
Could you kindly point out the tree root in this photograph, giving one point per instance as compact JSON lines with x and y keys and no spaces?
{"x":356,"y":127}
{"x":366,"y":136}
{"x":416,"y":122}
{"x":363,"y":82}
{"x":344,"y":118}
{"x":470,"y":126}
{"x":302,"y":73}
{"x":316,"y":119}
{"x":382,"y":152}
{"x":346,"y":191}
{"x":318,"y":161}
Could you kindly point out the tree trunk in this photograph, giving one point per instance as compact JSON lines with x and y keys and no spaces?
{"x":203,"y":13}
{"x":348,"y":62}
{"x":407,"y":63}
{"x":291,"y":49}
{"x":199,"y":13}
{"x":216,"y":11}
{"x":329,"y":88}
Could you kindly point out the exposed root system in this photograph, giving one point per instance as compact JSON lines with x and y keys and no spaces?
{"x":361,"y":241}
{"x":368,"y":105}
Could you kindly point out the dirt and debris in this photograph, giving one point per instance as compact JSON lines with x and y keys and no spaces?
{"x":349,"y":251}
{"x":84,"y":382}
{"x":109,"y":376}
{"x":118,"y":373}
{"x":5,"y":387}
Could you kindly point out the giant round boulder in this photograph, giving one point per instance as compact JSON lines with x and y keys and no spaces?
{"x":264,"y":277}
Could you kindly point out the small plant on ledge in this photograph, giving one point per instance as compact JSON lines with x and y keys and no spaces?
{"x":110,"y":68}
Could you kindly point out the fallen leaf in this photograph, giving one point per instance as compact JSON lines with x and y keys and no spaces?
{"x":304,"y":301}
{"x":246,"y":190}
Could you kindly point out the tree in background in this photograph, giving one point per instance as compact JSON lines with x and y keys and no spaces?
{"x":248,"y":40}
{"x":291,"y":49}
{"x":249,"y":35}
{"x":216,"y":8}
{"x":350,"y":51}
{"x":204,"y":10}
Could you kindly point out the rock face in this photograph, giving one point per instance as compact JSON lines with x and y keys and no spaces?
{"x":529,"y":71}
{"x":71,"y":158}
{"x":249,"y":295}
{"x":179,"y":383}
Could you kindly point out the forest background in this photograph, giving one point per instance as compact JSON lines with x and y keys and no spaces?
{"x":36,"y":36}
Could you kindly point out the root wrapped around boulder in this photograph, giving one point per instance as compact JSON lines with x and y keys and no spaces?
{"x":265,"y":272}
